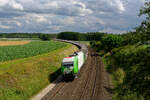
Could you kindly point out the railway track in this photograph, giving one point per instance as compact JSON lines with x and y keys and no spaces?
{"x":95,"y":80}
{"x":90,"y":84}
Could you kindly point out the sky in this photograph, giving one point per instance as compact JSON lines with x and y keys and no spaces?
{"x":53,"y":16}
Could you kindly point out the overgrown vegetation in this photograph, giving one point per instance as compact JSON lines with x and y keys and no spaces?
{"x":134,"y":77}
{"x":107,"y":42}
{"x":28,"y":50}
{"x":127,"y":60}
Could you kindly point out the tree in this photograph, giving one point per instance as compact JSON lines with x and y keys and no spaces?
{"x":44,"y":37}
{"x":94,"y":36}
{"x":144,"y":28}
{"x":70,"y":36}
{"x":111,"y":41}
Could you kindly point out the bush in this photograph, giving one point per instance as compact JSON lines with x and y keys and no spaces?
{"x":134,"y":61}
{"x":97,"y":45}
{"x":111,"y":41}
{"x":107,"y":43}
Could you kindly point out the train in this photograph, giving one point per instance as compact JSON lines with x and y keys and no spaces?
{"x":72,"y":64}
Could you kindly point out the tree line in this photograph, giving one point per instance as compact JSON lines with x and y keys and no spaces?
{"x":126,"y":58}
{"x":28,"y":35}
{"x":77,"y":36}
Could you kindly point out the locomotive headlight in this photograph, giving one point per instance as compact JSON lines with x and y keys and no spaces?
{"x":71,"y":67}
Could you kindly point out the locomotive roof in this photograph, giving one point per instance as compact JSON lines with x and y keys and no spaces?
{"x":71,"y":57}
{"x":68,"y":59}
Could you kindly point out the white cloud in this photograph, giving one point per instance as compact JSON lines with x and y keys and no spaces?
{"x":115,"y":4}
{"x":38,"y":18}
{"x":53,"y":4}
{"x":16,"y":5}
{"x":3,"y":2}
{"x":19,"y":24}
{"x":67,"y":7}
{"x":120,"y":5}
{"x":11,"y":3}
{"x":4,"y":27}
{"x":73,"y":15}
{"x":69,"y":20}
{"x":110,"y":30}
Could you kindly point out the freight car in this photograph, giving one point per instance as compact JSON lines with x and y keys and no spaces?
{"x":71,"y":65}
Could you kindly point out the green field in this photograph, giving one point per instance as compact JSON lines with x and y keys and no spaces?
{"x":28,"y":50}
{"x":21,"y":79}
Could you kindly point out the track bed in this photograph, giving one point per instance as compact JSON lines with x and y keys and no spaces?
{"x":93,"y":83}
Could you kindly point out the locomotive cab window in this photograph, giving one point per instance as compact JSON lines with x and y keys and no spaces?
{"x":68,"y":64}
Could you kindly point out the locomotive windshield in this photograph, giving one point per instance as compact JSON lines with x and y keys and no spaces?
{"x":68,"y":64}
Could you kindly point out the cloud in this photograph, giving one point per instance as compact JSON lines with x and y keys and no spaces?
{"x":4,"y":27}
{"x":116,"y":4}
{"x":119,"y":5}
{"x":10,"y":4}
{"x":106,"y":6}
{"x":69,"y":15}
{"x":68,"y":8}
{"x":59,"y":7}
{"x":110,"y":30}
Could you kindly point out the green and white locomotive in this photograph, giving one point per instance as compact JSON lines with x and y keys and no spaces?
{"x":71,"y":65}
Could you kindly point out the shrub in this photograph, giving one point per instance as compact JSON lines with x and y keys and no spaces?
{"x":134,"y":62}
{"x":111,"y":41}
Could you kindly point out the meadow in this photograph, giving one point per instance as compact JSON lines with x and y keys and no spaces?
{"x":28,"y":50}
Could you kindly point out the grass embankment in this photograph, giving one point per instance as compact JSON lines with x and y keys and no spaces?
{"x":130,"y":70}
{"x":21,"y":79}
{"x":85,"y":42}
{"x":28,"y":50}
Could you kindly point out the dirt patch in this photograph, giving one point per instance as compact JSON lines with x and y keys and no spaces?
{"x":11,"y":43}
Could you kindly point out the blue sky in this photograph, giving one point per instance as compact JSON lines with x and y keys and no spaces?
{"x":52,"y":16}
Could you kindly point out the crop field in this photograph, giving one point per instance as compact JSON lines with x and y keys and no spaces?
{"x":28,"y":50}
{"x":20,"y":79}
{"x":9,"y":43}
